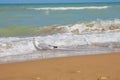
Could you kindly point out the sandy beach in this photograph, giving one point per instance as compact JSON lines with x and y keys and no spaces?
{"x":90,"y":67}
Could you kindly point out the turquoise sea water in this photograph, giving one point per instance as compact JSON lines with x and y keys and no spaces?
{"x":27,"y":15}
{"x":75,"y":28}
{"x":19,"y":16}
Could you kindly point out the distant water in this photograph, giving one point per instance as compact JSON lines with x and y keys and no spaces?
{"x":49,"y":14}
{"x":75,"y":28}
{"x":20,"y":16}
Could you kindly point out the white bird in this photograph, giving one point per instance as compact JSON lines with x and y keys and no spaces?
{"x":42,"y":46}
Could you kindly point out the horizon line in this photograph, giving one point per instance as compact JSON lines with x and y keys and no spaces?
{"x":62,"y":2}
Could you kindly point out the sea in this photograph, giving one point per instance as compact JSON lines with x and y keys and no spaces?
{"x":49,"y":30}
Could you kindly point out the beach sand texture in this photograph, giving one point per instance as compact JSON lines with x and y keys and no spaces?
{"x":93,"y":67}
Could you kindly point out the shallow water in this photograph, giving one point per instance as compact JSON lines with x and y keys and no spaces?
{"x":45,"y":54}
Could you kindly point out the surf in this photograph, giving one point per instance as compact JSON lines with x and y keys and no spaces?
{"x":70,"y":8}
{"x":98,"y":36}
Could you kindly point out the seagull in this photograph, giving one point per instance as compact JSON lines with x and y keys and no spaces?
{"x":42,"y":46}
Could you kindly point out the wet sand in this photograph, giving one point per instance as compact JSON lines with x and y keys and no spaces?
{"x":90,"y":67}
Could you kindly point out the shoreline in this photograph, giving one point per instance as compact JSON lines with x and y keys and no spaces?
{"x":49,"y":54}
{"x":87,"y":67}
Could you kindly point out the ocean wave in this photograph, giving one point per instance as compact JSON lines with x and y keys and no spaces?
{"x":70,"y":8}
{"x":103,"y":33}
{"x":97,"y":26}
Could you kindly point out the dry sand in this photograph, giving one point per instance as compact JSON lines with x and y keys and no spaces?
{"x":94,"y":67}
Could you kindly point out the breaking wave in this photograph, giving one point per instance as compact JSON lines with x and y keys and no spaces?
{"x":100,"y":33}
{"x":82,"y":27}
{"x":16,"y":46}
{"x":70,"y":8}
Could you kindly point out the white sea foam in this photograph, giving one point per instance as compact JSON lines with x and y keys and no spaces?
{"x":97,"y":26}
{"x":70,"y":8}
{"x":17,"y":46}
